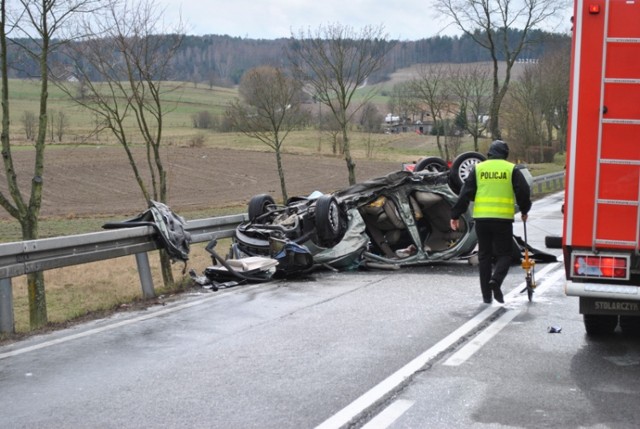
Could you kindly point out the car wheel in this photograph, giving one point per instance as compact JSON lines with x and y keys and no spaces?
{"x":331,"y":223}
{"x":600,"y":324}
{"x":432,"y":164}
{"x":461,"y":168}
{"x":259,"y":204}
{"x":553,"y":242}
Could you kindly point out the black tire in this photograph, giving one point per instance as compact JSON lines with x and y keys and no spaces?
{"x":331,"y":221}
{"x":630,"y":325}
{"x":461,"y":168}
{"x":553,"y":242}
{"x":258,"y":205}
{"x":600,"y":324}
{"x":432,"y":164}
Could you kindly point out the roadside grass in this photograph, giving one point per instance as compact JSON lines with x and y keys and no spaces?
{"x":97,"y":289}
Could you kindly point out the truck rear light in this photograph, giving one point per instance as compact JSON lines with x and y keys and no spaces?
{"x":594,"y":9}
{"x":600,"y":266}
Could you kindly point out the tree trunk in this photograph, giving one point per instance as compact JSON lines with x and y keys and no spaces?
{"x":351,"y":166}
{"x":283,"y":186}
{"x":35,"y":281}
{"x":165,"y":267}
{"x":439,"y":145}
{"x":37,"y":301}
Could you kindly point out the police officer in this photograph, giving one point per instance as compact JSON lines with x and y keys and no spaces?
{"x":492,"y":185}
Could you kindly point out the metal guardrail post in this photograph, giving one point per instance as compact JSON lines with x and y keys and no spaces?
{"x":144,"y":271}
{"x":7,"y":324}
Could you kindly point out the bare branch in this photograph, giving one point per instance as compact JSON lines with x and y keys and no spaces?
{"x":335,"y":62}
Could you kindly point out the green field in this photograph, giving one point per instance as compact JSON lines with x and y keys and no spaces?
{"x":182,"y":101}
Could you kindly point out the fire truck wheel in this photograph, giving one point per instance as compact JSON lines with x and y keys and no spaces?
{"x":600,"y":324}
{"x":630,"y":325}
{"x":553,"y":242}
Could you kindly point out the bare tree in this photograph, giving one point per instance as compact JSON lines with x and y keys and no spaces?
{"x":538,"y":106}
{"x":554,"y":84}
{"x":489,"y":23}
{"x":370,"y":122}
{"x":58,"y":124}
{"x":330,"y":126}
{"x":430,"y":89}
{"x":39,"y":24}
{"x":404,"y":103}
{"x":335,"y":61}
{"x":131,"y":52}
{"x":471,"y":86}
{"x":269,"y":110}
{"x":524,"y":115}
{"x":29,"y":123}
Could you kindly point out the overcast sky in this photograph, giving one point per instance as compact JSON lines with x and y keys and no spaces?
{"x":272,"y":19}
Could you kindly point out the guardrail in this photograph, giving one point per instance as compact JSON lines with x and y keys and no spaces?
{"x":20,"y":258}
{"x":548,"y":183}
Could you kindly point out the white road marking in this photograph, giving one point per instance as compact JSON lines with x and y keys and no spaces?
{"x":389,"y":414}
{"x":374,"y":394}
{"x":481,"y":339}
{"x":485,"y":336}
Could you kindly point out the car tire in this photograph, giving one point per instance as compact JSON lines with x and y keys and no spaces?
{"x":432,"y":164}
{"x":553,"y":242}
{"x":331,"y":222}
{"x":600,"y":324}
{"x":259,"y":204}
{"x":461,"y":168}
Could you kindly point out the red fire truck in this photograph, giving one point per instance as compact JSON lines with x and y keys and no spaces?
{"x":601,"y":236}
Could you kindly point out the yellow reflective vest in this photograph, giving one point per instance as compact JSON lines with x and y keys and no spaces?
{"x":494,"y":194}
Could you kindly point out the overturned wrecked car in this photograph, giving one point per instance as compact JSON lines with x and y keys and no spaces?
{"x":399,"y":219}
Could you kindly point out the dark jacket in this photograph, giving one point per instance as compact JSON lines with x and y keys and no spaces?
{"x":468,"y":193}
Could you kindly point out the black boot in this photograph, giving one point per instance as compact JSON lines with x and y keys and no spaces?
{"x":497,"y":292}
{"x":486,"y":294}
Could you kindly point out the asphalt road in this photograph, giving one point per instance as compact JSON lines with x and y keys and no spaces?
{"x":413,"y":348}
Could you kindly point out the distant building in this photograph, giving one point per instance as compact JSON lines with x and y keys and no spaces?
{"x":396,"y":124}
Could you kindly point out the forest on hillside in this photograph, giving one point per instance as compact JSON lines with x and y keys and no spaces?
{"x":218,"y":60}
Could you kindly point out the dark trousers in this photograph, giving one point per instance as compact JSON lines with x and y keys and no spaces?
{"x":495,"y":240}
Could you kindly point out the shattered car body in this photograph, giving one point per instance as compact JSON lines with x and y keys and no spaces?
{"x":400,"y":219}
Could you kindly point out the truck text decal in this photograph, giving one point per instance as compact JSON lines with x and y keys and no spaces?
{"x":617,"y":306}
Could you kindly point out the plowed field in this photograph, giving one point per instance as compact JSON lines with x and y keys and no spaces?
{"x":85,"y":181}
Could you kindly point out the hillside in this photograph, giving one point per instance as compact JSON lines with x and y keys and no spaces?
{"x":216,"y":60}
